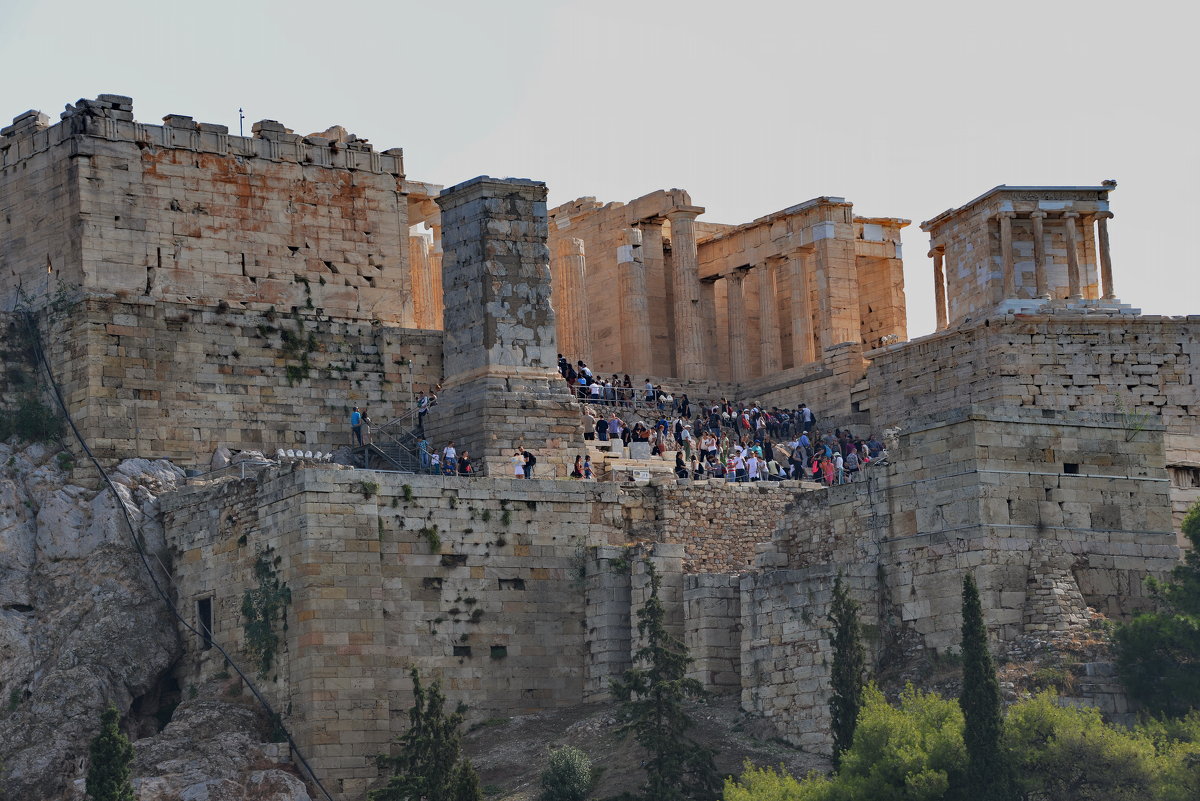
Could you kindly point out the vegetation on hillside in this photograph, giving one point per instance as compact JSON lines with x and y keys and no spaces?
{"x":1158,"y":653}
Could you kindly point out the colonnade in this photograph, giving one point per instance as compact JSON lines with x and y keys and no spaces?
{"x":1039,"y":218}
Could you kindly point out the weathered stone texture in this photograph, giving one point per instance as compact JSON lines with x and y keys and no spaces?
{"x":187,"y":213}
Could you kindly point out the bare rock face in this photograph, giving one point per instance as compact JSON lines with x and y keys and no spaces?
{"x":212,"y":750}
{"x":80,"y":623}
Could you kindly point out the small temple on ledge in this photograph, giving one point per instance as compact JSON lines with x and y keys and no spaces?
{"x":1019,"y":248}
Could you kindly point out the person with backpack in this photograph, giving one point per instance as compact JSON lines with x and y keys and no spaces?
{"x":530,"y":462}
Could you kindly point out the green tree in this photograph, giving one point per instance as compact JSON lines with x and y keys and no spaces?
{"x":849,"y":664}
{"x":110,"y":755}
{"x":765,"y":784}
{"x":1066,"y":752}
{"x":569,"y":776}
{"x":428,"y":764}
{"x":988,"y":777}
{"x":652,"y":694}
{"x":1158,"y":653}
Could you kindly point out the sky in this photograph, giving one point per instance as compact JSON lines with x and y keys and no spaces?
{"x":905,"y":109}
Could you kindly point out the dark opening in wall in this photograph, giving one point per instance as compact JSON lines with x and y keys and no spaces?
{"x":512,"y":584}
{"x":499,"y":651}
{"x":462,"y":650}
{"x":1070,"y":468}
{"x":204,"y":622}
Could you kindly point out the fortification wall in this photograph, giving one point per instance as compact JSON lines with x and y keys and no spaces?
{"x":187,"y":213}
{"x":1141,"y":369}
{"x":975,"y":490}
{"x":496,"y":611}
{"x":173,"y":380}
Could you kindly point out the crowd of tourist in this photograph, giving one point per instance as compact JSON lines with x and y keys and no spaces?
{"x":718,"y":439}
{"x":722,"y":439}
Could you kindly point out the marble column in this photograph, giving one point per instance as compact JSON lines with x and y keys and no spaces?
{"x":422,"y":286}
{"x":1039,"y":254}
{"x":739,"y":354}
{"x":1102,"y":219}
{"x":1072,"y":233}
{"x":690,"y":362}
{"x":804,"y":349}
{"x":435,"y":278}
{"x":1006,"y":255}
{"x":708,"y":316}
{"x":770,"y":348}
{"x":634,"y":307}
{"x":573,"y":336}
{"x":939,"y":287}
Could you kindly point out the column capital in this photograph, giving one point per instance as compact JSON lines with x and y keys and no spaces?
{"x":1103,"y":215}
{"x":1070,"y":215}
{"x":1037,"y":214}
{"x":1006,"y":215}
{"x":686,"y":212}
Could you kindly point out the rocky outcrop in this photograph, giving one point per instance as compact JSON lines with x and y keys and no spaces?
{"x":80,"y":623}
{"x":212,"y":750}
{"x":82,"y":626}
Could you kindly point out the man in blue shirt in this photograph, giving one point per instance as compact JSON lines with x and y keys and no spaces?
{"x":356,"y":424}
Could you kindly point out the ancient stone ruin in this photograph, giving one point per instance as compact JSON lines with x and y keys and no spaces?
{"x":197,"y":290}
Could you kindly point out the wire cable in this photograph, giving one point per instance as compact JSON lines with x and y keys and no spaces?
{"x":35,"y":340}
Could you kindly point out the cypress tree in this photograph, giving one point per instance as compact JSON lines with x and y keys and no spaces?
{"x":987,"y":777}
{"x":429,"y":763}
{"x":849,"y":662}
{"x":110,"y":755}
{"x":652,"y":699}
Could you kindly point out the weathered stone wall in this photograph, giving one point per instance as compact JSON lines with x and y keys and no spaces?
{"x":186,"y":212}
{"x":1142,"y":369}
{"x":987,"y":491}
{"x":496,"y":611}
{"x":718,"y":523}
{"x":174,"y":380}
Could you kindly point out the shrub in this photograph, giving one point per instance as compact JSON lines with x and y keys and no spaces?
{"x":569,"y":776}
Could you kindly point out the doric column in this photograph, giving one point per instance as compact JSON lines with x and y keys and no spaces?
{"x":634,"y":308}
{"x":1006,"y":254}
{"x":803,"y":348}
{"x":1076,"y":290}
{"x":1039,"y":254}
{"x":1106,"y":277}
{"x":689,"y":337}
{"x":422,"y":286}
{"x":435,"y":278}
{"x":572,"y":316}
{"x":708,"y":315}
{"x":739,"y":355}
{"x":939,"y":287}
{"x":770,"y":349}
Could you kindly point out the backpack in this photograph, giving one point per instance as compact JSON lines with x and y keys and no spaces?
{"x":532,"y":460}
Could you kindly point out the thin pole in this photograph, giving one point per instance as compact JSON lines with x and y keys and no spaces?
{"x":241,"y":120}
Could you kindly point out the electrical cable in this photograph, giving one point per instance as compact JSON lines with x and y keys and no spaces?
{"x":35,"y":339}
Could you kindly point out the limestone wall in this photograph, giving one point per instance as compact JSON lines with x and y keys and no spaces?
{"x":177,"y":380}
{"x":187,"y":213}
{"x":718,"y":523}
{"x":496,"y":611}
{"x":1141,"y":369}
{"x":984,"y":491}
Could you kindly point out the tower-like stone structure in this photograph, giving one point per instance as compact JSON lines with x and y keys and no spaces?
{"x":502,"y":389}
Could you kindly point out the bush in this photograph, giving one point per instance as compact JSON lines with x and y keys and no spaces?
{"x":569,"y":777}
{"x":31,"y":421}
{"x":110,"y":756}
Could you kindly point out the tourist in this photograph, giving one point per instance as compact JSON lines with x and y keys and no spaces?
{"x":602,"y":429}
{"x":464,"y":464}
{"x":589,"y":425}
{"x":587,"y":468}
{"x":577,"y":469}
{"x":518,"y":463}
{"x":681,"y":469}
{"x":449,"y":453}
{"x":839,"y":467}
{"x":356,"y":425}
{"x":422,"y":410}
{"x":435,"y":463}
{"x":530,"y":461}
{"x":851,"y":464}
{"x":616,"y":427}
{"x":423,"y":451}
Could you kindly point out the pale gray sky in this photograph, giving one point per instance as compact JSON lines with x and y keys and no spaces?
{"x":906,"y":109}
